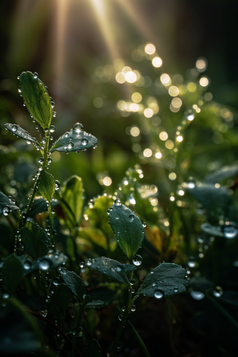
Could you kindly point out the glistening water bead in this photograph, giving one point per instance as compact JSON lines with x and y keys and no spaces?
{"x":84,"y":142}
{"x":5,"y":211}
{"x":137,"y":260}
{"x":158,"y":294}
{"x":230,"y":230}
{"x":197,"y":295}
{"x":44,"y":264}
{"x":77,"y":128}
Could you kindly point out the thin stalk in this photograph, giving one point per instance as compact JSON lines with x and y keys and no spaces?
{"x":50,"y":220}
{"x":223,"y":311}
{"x":122,"y":323}
{"x":139,"y":339}
{"x":78,"y":322}
{"x":31,"y":198}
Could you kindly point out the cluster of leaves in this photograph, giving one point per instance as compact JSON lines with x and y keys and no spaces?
{"x":53,"y":246}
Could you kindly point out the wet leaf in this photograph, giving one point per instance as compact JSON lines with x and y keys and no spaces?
{"x":35,"y":240}
{"x":127,"y":228}
{"x":165,"y":279}
{"x":74,"y":140}
{"x":12,"y":272}
{"x":59,"y":301}
{"x":75,"y":284}
{"x":46,"y":185}
{"x":95,"y":304}
{"x":224,"y":172}
{"x":20,"y":132}
{"x":39,"y":205}
{"x":112,"y":269}
{"x":92,"y":349}
{"x":210,"y":196}
{"x":73,"y":199}
{"x":6,"y":204}
{"x":36,"y":98}
{"x":97,"y":214}
{"x":49,"y":261}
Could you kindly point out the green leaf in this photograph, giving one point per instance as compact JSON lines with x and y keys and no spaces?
{"x":127,"y":228}
{"x":15,"y":129}
{"x":35,"y":240}
{"x":47,"y":262}
{"x":95,"y":304}
{"x":72,"y":196}
{"x":36,"y":98}
{"x":165,"y":279}
{"x":92,"y":349}
{"x":59,"y":301}
{"x":12,"y":272}
{"x":74,"y":140}
{"x":94,"y":235}
{"x":211,"y":197}
{"x":112,"y":268}
{"x":7,"y":205}
{"x":97,"y":214}
{"x":224,"y":172}
{"x":46,"y":185}
{"x":75,"y":284}
{"x":39,"y":205}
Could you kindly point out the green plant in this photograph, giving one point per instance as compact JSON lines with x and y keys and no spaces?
{"x":54,"y":231}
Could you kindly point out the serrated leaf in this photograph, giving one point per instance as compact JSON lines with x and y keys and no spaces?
{"x":39,"y":205}
{"x":74,"y":140}
{"x":224,"y":172}
{"x":112,"y":269}
{"x":12,"y":272}
{"x":73,"y":199}
{"x":95,"y":304}
{"x":92,"y":349}
{"x":6,"y":203}
{"x":210,"y":196}
{"x":75,"y":284}
{"x":20,"y":132}
{"x":36,"y":98}
{"x":167,"y":278}
{"x":127,"y":228}
{"x":46,"y":185}
{"x":35,"y":240}
{"x":97,"y":214}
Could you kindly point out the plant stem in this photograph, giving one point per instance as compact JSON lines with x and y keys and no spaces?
{"x":122,"y":323}
{"x":31,"y":199}
{"x":79,"y":318}
{"x":50,"y":220}
{"x":223,"y":311}
{"x":141,"y":342}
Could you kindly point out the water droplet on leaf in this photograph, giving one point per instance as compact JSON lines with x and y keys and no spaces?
{"x":131,"y":218}
{"x":197,"y":295}
{"x":44,"y":264}
{"x":137,"y":260}
{"x":5,"y":211}
{"x":229,"y":230}
{"x":84,"y":142}
{"x":217,"y":292}
{"x":158,"y":294}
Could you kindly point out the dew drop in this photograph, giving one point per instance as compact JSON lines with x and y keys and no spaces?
{"x":137,"y":260}
{"x":133,"y":308}
{"x":43,"y":313}
{"x":84,"y":142}
{"x":41,"y":160}
{"x":217,"y":292}
{"x":52,"y":129}
{"x":89,"y":263}
{"x":117,"y":202}
{"x":116,"y":217}
{"x":56,"y":281}
{"x":5,"y":211}
{"x":70,"y":146}
{"x":229,"y":230}
{"x":77,"y":128}
{"x":66,"y":135}
{"x":35,"y":75}
{"x":191,"y":263}
{"x":28,"y":142}
{"x":44,"y":264}
{"x":57,"y":185}
{"x":175,"y":289}
{"x":118,"y":269}
{"x":197,"y":295}
{"x":131,"y":218}
{"x":14,"y":128}
{"x":158,"y":294}
{"x":27,"y":265}
{"x":54,"y":114}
